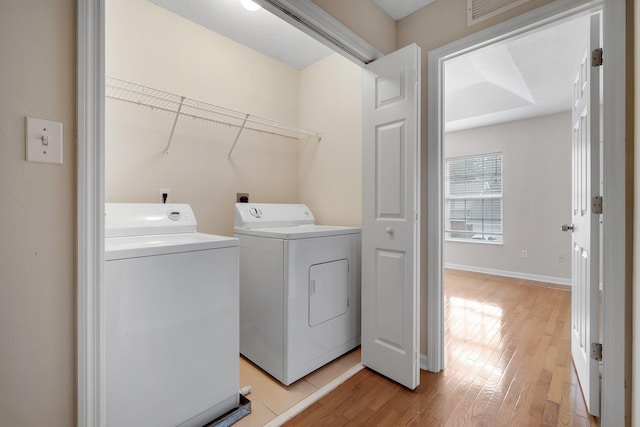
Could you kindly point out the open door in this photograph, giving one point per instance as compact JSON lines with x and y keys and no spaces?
{"x":390,"y":216}
{"x":585,"y":238}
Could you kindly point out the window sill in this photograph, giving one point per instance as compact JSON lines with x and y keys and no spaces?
{"x":478,"y":241}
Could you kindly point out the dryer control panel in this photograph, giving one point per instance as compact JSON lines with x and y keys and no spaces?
{"x":257,"y":215}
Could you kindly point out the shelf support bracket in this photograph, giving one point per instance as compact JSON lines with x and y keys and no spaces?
{"x":235,"y":141}
{"x":173,"y":128}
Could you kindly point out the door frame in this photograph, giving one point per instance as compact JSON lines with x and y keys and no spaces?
{"x":303,"y":14}
{"x":90,"y":203}
{"x":615,"y":400}
{"x":90,"y":211}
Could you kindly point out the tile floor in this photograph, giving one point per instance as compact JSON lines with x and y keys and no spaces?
{"x":269,"y":398}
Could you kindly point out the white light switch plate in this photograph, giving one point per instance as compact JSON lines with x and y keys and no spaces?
{"x":44,"y":141}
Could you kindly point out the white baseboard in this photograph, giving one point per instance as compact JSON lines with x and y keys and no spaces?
{"x":290,"y":413}
{"x":515,"y":274}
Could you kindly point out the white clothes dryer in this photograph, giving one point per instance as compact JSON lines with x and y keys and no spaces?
{"x":170,"y":318}
{"x":299,"y":289}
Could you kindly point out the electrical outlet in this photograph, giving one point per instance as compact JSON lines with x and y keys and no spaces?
{"x":164,"y":195}
{"x":242,"y":197}
{"x":525,"y":254}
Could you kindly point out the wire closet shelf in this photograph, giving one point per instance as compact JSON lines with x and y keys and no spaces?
{"x":182,"y":106}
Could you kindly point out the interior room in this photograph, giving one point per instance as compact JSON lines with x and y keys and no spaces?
{"x":154,"y":47}
{"x":315,"y":147}
{"x":513,"y":100}
{"x":300,"y":143}
{"x":52,"y":366}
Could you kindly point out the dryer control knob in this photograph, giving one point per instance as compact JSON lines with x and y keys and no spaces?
{"x":255,"y":212}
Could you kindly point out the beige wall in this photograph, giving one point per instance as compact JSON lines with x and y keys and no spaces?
{"x":37,"y":292}
{"x":536,"y":157}
{"x":149,"y":45}
{"x":37,"y":235}
{"x":145,"y":44}
{"x":433,"y":26}
{"x":636,"y":224}
{"x":444,"y":21}
{"x":366,"y":19}
{"x":331,"y":170}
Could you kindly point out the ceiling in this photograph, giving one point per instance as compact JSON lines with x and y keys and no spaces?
{"x":266,"y":33}
{"x":527,"y":76}
{"x":398,"y":9}
{"x":259,"y":30}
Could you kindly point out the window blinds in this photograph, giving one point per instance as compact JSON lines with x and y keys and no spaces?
{"x":473,"y":198}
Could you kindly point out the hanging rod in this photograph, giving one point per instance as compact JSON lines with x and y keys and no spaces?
{"x":173,"y":128}
{"x":183,"y":106}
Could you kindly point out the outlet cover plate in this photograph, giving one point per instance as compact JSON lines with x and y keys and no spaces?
{"x":44,"y":141}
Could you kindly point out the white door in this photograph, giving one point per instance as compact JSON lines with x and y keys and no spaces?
{"x":390,"y":218}
{"x":585,"y":236}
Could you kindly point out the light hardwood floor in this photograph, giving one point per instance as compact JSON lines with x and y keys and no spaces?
{"x":508,"y":363}
{"x":270,"y":398}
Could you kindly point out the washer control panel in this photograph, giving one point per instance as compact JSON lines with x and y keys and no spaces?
{"x":174,"y":214}
{"x":142,"y":219}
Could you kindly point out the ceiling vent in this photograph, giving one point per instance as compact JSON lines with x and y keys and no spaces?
{"x":479,"y":10}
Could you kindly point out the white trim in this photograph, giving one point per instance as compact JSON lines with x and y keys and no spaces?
{"x":614,"y":270}
{"x":424,"y":362}
{"x":91,"y":188}
{"x":476,"y":241}
{"x":90,"y":195}
{"x":313,"y":397}
{"x":614,"y":307}
{"x":435,"y":217}
{"x":320,"y":25}
{"x":515,"y":274}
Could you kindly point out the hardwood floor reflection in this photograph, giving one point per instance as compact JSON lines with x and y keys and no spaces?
{"x":508,"y":363}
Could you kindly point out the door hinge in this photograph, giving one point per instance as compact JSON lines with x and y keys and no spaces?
{"x":596,"y":205}
{"x":596,"y":351}
{"x":596,"y":57}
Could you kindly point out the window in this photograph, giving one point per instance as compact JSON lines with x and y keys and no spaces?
{"x":473,"y":198}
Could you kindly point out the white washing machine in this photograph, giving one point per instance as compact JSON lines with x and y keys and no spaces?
{"x":299,"y":289}
{"x":170,"y":318}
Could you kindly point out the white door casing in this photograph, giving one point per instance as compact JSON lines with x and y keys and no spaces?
{"x":585,"y":237}
{"x":390,"y":217}
{"x":90,"y":26}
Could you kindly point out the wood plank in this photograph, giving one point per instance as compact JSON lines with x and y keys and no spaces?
{"x":508,"y":363}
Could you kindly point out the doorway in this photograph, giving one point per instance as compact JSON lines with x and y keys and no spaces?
{"x":507,"y":148}
{"x":436,"y":59}
{"x":208,"y":161}
{"x":90,"y":197}
{"x":508,"y":161}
